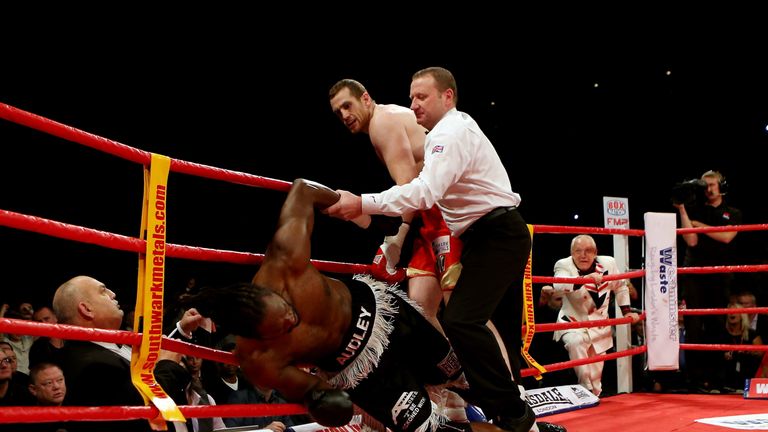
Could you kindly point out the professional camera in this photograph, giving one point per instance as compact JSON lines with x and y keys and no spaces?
{"x":692,"y":193}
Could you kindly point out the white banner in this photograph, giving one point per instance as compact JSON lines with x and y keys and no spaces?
{"x":661,"y":331}
{"x":553,"y":400}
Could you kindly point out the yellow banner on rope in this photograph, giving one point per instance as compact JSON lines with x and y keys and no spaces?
{"x":528,"y":318}
{"x":149,"y":294}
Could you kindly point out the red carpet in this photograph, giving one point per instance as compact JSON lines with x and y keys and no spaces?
{"x":654,"y":412}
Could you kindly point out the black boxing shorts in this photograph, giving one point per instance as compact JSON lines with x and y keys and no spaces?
{"x":402,"y":355}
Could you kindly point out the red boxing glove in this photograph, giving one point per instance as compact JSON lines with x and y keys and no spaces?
{"x":382,"y":270}
{"x":387,"y":257}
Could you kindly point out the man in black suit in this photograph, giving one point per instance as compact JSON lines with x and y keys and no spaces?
{"x":99,"y":373}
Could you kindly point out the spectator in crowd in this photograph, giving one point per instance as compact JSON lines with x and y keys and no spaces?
{"x":21,"y":344}
{"x":20,"y":379}
{"x":737,"y":365}
{"x":98,"y":373}
{"x":48,"y":388}
{"x":181,"y":375}
{"x":226,"y":378}
{"x":757,"y":322}
{"x":25,"y":309}
{"x":47,"y":384}
{"x":10,"y":394}
{"x":45,"y":348}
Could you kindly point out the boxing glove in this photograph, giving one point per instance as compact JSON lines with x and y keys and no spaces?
{"x":388,"y":255}
{"x":330,"y":407}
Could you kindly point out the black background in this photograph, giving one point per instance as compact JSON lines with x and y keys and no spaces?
{"x":223,"y":88}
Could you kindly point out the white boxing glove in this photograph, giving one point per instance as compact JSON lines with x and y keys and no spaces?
{"x":388,"y":255}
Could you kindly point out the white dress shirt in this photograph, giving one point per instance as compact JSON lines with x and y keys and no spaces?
{"x":194,"y":399}
{"x":462,"y":174}
{"x":123,"y":350}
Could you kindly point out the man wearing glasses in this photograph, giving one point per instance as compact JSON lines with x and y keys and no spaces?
{"x":10,"y":393}
{"x":47,"y":385}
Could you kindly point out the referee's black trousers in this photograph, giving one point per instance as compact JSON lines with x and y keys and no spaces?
{"x":494,"y":256}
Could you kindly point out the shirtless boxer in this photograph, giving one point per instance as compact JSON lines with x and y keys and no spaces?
{"x":361,"y":334}
{"x":399,"y":143}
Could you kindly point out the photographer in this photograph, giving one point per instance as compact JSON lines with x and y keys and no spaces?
{"x":706,"y":290}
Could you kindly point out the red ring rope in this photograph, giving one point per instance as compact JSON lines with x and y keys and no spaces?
{"x":130,"y":244}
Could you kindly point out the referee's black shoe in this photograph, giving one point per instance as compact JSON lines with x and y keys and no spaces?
{"x":520,"y":424}
{"x":550,"y":427}
{"x":524,"y":423}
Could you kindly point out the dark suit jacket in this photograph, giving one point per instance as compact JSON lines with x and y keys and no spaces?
{"x":216,"y":387}
{"x":97,"y":376}
{"x":43,"y":351}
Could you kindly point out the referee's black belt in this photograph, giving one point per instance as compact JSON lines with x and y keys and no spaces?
{"x":498,"y":211}
{"x":485,"y":220}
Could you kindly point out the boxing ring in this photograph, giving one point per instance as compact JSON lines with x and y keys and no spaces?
{"x":628,"y":411}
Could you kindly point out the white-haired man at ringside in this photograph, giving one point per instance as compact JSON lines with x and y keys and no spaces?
{"x":589,"y":302}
